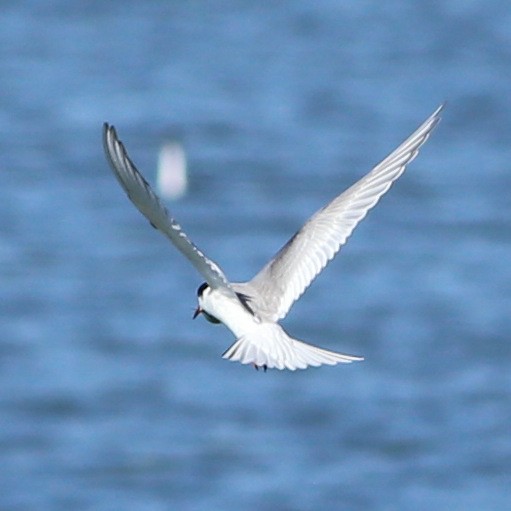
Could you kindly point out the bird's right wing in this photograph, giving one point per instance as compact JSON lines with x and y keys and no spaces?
{"x":148,"y":203}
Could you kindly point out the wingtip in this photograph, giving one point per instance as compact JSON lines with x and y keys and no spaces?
{"x":108,"y":128}
{"x":439,"y":110}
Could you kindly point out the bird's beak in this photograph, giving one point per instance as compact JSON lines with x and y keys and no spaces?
{"x":198,"y":310}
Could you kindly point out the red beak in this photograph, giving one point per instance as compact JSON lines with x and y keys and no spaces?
{"x":198,"y":310}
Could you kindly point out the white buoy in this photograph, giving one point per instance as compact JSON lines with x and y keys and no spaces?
{"x":171,"y":174}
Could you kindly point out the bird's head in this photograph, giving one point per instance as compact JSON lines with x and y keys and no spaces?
{"x":203,"y":292}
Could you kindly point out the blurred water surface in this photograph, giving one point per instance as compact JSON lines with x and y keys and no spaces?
{"x":112,"y":398}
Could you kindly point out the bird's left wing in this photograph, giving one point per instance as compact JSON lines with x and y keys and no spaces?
{"x":301,"y":259}
{"x":148,"y":203}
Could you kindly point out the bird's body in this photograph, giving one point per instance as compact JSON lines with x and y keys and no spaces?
{"x":262,"y":342}
{"x":251,"y":310}
{"x":229,"y":310}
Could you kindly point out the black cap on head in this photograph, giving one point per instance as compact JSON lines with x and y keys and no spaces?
{"x":201,"y":289}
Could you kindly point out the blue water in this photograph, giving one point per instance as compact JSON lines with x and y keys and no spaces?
{"x":112,"y":398}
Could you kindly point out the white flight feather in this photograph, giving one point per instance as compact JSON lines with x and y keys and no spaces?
{"x":141,"y":194}
{"x":284,"y":279}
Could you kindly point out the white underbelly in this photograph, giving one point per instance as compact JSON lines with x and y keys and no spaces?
{"x":239,"y":321}
{"x":236,"y":318}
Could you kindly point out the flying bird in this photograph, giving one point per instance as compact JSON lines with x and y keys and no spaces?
{"x":252,"y":310}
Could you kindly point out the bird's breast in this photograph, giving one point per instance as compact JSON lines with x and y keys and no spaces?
{"x":231,"y":313}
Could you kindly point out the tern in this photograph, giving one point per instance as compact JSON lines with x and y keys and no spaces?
{"x":252,"y":310}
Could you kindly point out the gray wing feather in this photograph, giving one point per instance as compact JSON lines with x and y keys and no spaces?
{"x":284,"y":279}
{"x":148,"y":203}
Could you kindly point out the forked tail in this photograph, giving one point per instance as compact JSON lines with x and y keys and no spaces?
{"x":273,"y":348}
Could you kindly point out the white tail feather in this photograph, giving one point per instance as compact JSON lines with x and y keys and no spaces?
{"x":275,"y":349}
